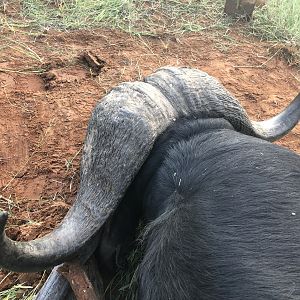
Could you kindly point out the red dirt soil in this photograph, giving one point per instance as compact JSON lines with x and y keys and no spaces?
{"x":43,"y":118}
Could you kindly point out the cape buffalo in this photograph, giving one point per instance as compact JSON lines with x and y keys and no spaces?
{"x":221,"y":203}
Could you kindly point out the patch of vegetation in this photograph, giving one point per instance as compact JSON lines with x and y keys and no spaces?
{"x":279,"y":20}
{"x":20,"y":291}
{"x":124,"y":285}
{"x":144,"y":17}
{"x":75,"y":14}
{"x":16,"y":291}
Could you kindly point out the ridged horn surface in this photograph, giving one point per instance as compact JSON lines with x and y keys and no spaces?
{"x":194,"y":93}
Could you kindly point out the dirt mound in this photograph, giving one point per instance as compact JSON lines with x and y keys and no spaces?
{"x":47,"y":92}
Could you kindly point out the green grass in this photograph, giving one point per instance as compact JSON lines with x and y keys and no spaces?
{"x":279,"y":20}
{"x":20,"y":291}
{"x":75,"y":14}
{"x":144,"y":17}
{"x":17,"y":291}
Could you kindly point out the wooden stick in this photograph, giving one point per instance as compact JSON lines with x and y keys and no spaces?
{"x":79,"y":281}
{"x":85,"y":282}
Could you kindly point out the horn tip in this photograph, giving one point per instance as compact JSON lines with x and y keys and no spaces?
{"x":3,"y":220}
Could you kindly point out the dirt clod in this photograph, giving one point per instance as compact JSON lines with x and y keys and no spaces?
{"x":93,"y":62}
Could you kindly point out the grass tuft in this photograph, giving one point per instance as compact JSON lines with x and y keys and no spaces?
{"x":75,"y":14}
{"x":279,"y":20}
{"x":137,"y":17}
{"x":19,"y":291}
